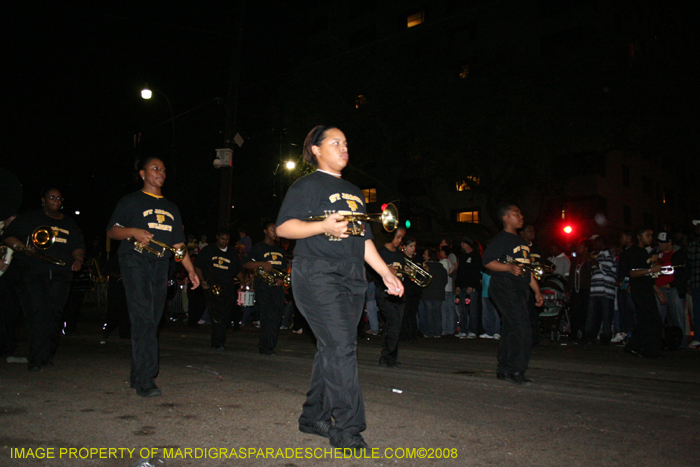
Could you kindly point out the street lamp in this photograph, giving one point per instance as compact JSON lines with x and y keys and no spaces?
{"x":147,"y":94}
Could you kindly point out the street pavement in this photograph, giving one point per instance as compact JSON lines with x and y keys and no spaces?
{"x":589,"y":406}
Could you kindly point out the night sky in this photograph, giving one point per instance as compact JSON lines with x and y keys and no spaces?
{"x":73,"y":73}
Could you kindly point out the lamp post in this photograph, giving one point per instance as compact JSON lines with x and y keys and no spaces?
{"x":147,"y":94}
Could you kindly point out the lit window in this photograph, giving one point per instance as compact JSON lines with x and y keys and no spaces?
{"x":415,"y":19}
{"x":563,"y":213}
{"x":468,"y":216}
{"x":360,"y":101}
{"x":464,"y":71}
{"x":370,"y":195}
{"x":467,"y":184}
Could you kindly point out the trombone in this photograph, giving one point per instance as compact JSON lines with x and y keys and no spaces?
{"x":270,"y":278}
{"x":42,"y":237}
{"x":537,"y":271}
{"x":389,"y":219}
{"x":417,"y":274}
{"x":179,"y":253}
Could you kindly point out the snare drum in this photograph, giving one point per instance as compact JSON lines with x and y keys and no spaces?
{"x":246,"y":298}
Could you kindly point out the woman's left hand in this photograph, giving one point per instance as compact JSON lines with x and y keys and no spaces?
{"x":394,"y":286}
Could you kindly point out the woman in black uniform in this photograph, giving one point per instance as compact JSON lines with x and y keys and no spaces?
{"x":146,"y":215}
{"x":45,"y":285}
{"x":328,"y":278}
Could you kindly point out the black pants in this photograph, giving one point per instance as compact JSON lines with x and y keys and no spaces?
{"x":330,"y":295}
{"x":270,"y":305}
{"x":579,"y":311}
{"x":511,"y":301}
{"x":392,"y":309}
{"x":10,"y":310}
{"x":534,"y":312}
{"x":43,"y":299}
{"x":648,"y":332}
{"x":220,"y":307}
{"x":117,"y":313}
{"x":146,"y":284}
{"x":409,"y":323}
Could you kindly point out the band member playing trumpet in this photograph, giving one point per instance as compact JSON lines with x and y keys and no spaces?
{"x":328,"y":279}
{"x":270,"y":298}
{"x":390,"y":306}
{"x":144,"y":216}
{"x":218,"y":267}
{"x":509,"y":291}
{"x":46,"y":278}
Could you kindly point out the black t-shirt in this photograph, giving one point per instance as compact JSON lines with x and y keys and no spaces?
{"x":435,"y":291}
{"x":220,"y":267}
{"x":270,"y":253}
{"x":639,"y":258}
{"x":158,"y":215}
{"x":395,"y":259}
{"x":506,"y":244}
{"x":469,"y":270}
{"x":68,"y":238}
{"x":317,"y":194}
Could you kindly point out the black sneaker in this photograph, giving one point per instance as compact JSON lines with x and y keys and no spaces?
{"x":355,"y":442}
{"x":151,"y":391}
{"x":518,"y":378}
{"x":319,"y":428}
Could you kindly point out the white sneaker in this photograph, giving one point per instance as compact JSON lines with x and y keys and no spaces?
{"x":485,"y":336}
{"x":497,"y":337}
{"x":619,"y":337}
{"x":461,"y":335}
{"x":695,"y":344}
{"x":17,"y":360}
{"x":471,"y":335}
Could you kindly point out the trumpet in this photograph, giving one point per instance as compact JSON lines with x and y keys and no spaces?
{"x":270,"y":277}
{"x":42,"y":238}
{"x":665,"y":270}
{"x":417,"y":274}
{"x":179,"y":253}
{"x":389,"y":219}
{"x":536,"y":271}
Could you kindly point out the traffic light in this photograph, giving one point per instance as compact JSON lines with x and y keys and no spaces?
{"x":568,"y":229}
{"x":408,"y":224}
{"x":384,"y":206}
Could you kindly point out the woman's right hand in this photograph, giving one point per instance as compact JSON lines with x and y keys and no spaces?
{"x":335,"y":225}
{"x":143,"y":236}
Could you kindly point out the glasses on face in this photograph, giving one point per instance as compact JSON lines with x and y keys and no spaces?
{"x":54,"y":197}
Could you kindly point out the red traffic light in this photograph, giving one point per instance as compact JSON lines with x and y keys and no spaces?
{"x":384,"y":206}
{"x":568,"y":229}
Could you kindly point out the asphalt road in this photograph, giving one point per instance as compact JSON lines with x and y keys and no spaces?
{"x":589,"y":406}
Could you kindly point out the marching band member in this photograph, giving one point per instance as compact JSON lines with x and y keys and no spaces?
{"x":328,"y":279}
{"x":144,"y":216}
{"x":218,"y":267}
{"x":391,"y":306}
{"x":270,"y":298}
{"x":45,"y":285}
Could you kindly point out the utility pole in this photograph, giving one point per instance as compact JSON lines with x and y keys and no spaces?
{"x":231,"y":116}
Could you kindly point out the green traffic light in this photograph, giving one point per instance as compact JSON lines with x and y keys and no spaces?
{"x":408,"y":224}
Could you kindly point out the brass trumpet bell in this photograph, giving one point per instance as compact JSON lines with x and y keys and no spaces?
{"x":42,"y":238}
{"x":417,"y":274}
{"x":389,"y":219}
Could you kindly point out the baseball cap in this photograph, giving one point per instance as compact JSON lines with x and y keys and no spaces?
{"x":663,"y":237}
{"x":467,"y":240}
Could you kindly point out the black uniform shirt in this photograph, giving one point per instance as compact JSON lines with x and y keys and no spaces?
{"x":317,"y":194}
{"x":156,"y":214}
{"x":395,"y":259}
{"x":220,"y":267}
{"x":639,"y":258}
{"x":68,"y":238}
{"x":506,"y":244}
{"x":270,"y":253}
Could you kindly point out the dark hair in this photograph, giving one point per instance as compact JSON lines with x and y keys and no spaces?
{"x":314,"y":138}
{"x":45,"y":191}
{"x":432,"y":254}
{"x":223,"y":231}
{"x":641,"y":230}
{"x":503,"y":209}
{"x":267,"y":222}
{"x":144,"y":161}
{"x":409,"y":240}
{"x":446,"y":249}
